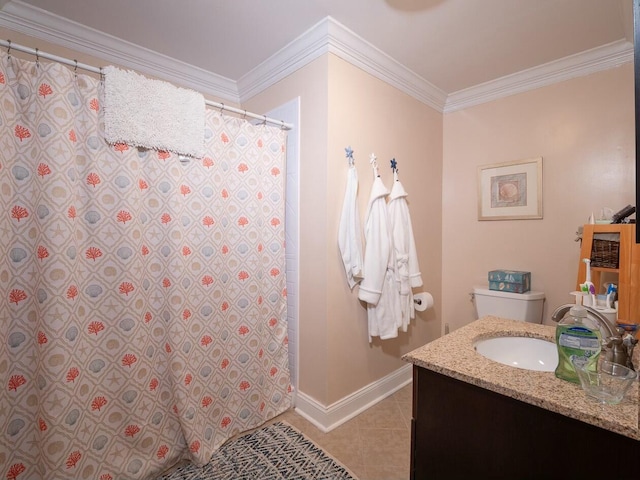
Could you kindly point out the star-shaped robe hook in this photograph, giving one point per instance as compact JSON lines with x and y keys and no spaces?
{"x":349,"y":153}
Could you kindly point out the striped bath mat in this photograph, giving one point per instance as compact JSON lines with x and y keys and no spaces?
{"x":273,"y":452}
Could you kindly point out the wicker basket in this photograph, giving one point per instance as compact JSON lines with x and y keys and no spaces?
{"x":605,"y":253}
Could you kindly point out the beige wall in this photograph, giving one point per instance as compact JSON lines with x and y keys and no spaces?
{"x":344,"y":106}
{"x":374,"y":117}
{"x":584,"y":130}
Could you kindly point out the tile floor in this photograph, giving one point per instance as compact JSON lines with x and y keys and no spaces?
{"x":375,"y":445}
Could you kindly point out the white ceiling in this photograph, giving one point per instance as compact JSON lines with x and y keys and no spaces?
{"x":452,"y":45}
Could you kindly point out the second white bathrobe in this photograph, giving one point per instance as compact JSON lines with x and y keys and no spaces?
{"x":407,"y":267}
{"x":379,"y":288}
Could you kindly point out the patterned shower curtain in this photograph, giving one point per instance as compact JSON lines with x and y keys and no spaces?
{"x":142,"y":294}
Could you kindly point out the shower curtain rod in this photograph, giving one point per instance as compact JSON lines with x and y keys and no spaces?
{"x":90,"y":68}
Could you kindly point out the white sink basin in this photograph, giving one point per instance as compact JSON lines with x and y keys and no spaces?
{"x":521,"y":352}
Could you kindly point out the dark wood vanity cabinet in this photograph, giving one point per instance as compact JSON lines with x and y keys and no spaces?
{"x":462,"y":431}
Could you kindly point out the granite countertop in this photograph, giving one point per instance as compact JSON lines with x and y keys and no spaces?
{"x":453,"y":355}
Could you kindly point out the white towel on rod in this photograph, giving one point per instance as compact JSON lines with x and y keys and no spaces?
{"x":153,"y":114}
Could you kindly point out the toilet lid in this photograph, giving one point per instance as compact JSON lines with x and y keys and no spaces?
{"x":530,"y":295}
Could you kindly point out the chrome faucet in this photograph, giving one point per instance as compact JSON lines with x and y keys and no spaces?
{"x":616,"y":351}
{"x":602,"y":321}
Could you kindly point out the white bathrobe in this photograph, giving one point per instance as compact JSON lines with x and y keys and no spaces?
{"x":408,"y":270}
{"x":349,"y":236}
{"x":379,"y":288}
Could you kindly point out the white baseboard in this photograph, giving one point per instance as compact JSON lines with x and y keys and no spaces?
{"x":328,"y":418}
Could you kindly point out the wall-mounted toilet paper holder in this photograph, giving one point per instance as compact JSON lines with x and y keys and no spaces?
{"x":422,"y":301}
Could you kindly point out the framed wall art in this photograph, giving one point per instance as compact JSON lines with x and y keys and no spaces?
{"x":510,"y":190}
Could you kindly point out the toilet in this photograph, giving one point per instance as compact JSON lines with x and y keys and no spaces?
{"x":526,"y":307}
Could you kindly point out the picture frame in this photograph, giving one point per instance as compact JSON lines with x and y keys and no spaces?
{"x":510,"y":190}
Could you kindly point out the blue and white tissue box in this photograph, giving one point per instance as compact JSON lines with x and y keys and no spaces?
{"x":510,"y":281}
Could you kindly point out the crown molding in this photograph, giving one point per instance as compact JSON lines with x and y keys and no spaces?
{"x":309,"y":46}
{"x":327,"y":36}
{"x":40,"y":24}
{"x":330,"y":36}
{"x":354,"y":49}
{"x":591,"y":61}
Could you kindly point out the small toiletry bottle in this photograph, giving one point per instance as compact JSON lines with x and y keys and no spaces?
{"x":575,"y":340}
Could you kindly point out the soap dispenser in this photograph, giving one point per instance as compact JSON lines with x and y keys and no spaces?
{"x":578,"y":342}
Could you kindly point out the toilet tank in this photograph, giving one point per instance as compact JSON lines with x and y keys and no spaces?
{"x":517,"y":306}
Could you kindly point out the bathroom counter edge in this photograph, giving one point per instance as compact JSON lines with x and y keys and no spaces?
{"x":453,"y":355}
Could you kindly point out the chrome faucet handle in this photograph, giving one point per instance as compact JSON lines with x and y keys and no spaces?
{"x":616,"y":352}
{"x":629,"y":342}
